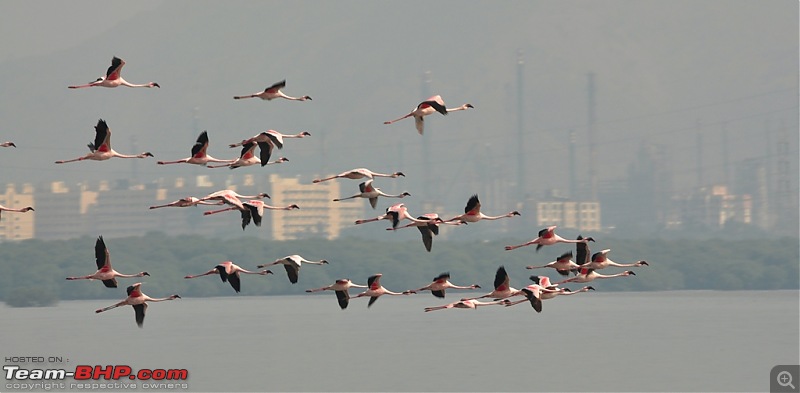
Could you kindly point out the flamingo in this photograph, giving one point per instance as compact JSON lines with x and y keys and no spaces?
{"x":101,"y":148}
{"x":229,"y":271}
{"x":7,"y":144}
{"x":588,"y":275}
{"x":113,"y":77}
{"x":548,"y":237}
{"x":273,"y":92}
{"x":562,"y":264}
{"x":341,"y":287}
{"x":441,"y":283}
{"x":292,"y":265}
{"x":502,"y":289}
{"x":546,"y":290}
{"x":253,"y":210}
{"x":138,"y":300}
{"x":105,"y":272}
{"x":428,"y":226}
{"x":472,"y":212}
{"x":466,"y":303}
{"x":247,"y":158}
{"x":372,"y":193}
{"x":199,"y":155}
{"x":376,"y":290}
{"x":600,"y":261}
{"x":396,"y":213}
{"x":231,"y":197}
{"x":186,"y":202}
{"x":268,"y":140}
{"x":359,"y":173}
{"x":20,"y":210}
{"x":427,"y":107}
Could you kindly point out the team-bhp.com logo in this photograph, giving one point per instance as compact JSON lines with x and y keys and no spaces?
{"x":87,"y":377}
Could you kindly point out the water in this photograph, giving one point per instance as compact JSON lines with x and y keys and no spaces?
{"x":641,"y":341}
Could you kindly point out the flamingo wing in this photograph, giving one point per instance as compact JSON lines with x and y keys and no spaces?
{"x":277,"y":139}
{"x":139,"y":310}
{"x":292,"y":271}
{"x":199,"y":148}
{"x":439,"y":107}
{"x":427,"y":236}
{"x":473,"y":205}
{"x":374,"y":282}
{"x":439,"y":293}
{"x":112,"y":283}
{"x":114,"y":71}
{"x":372,"y":299}
{"x":101,"y":256}
{"x":265,"y":149}
{"x":344,"y":298}
{"x":501,"y":279}
{"x":102,"y":138}
{"x":536,"y":302}
{"x":277,"y":86}
{"x":582,"y":252}
{"x":233,"y":279}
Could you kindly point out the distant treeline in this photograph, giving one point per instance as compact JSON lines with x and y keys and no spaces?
{"x":34,"y":271}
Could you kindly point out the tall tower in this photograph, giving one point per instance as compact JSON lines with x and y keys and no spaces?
{"x":521,"y":190}
{"x":590,"y":128}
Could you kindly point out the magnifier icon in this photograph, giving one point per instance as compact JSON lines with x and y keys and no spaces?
{"x":785,"y":379}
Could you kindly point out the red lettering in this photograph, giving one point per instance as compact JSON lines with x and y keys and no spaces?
{"x":106,"y":373}
{"x":121,"y":371}
{"x":83,"y":372}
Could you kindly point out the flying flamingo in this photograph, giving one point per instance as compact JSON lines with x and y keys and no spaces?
{"x":427,"y":107}
{"x":341,"y":287}
{"x":8,"y":144}
{"x":359,"y":173}
{"x":138,"y":300}
{"x":229,"y":271}
{"x":101,"y":148}
{"x":273,"y":92}
{"x":253,"y":210}
{"x":428,"y":226}
{"x":232,"y":197}
{"x":376,"y":290}
{"x":186,"y":202}
{"x":113,"y":77}
{"x":562,"y":264}
{"x":292,"y":265}
{"x":268,"y":140}
{"x":546,"y":290}
{"x":20,"y":210}
{"x":467,"y":303}
{"x":600,"y":261}
{"x":396,"y":213}
{"x":472,"y":212}
{"x":372,"y":193}
{"x":247,"y":158}
{"x":199,"y":155}
{"x":502,"y":289}
{"x":104,"y":271}
{"x":588,"y":275}
{"x":548,"y":237}
{"x":441,"y":283}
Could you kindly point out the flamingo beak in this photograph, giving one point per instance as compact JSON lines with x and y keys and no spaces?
{"x":156,"y":85}
{"x":145,"y":273}
{"x":470,"y":106}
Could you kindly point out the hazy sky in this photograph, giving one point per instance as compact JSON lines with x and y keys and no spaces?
{"x":664,"y":71}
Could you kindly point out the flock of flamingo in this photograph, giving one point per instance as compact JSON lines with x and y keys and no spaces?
{"x":251,"y":207}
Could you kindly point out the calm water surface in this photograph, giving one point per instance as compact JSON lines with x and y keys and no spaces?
{"x":640,"y":341}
